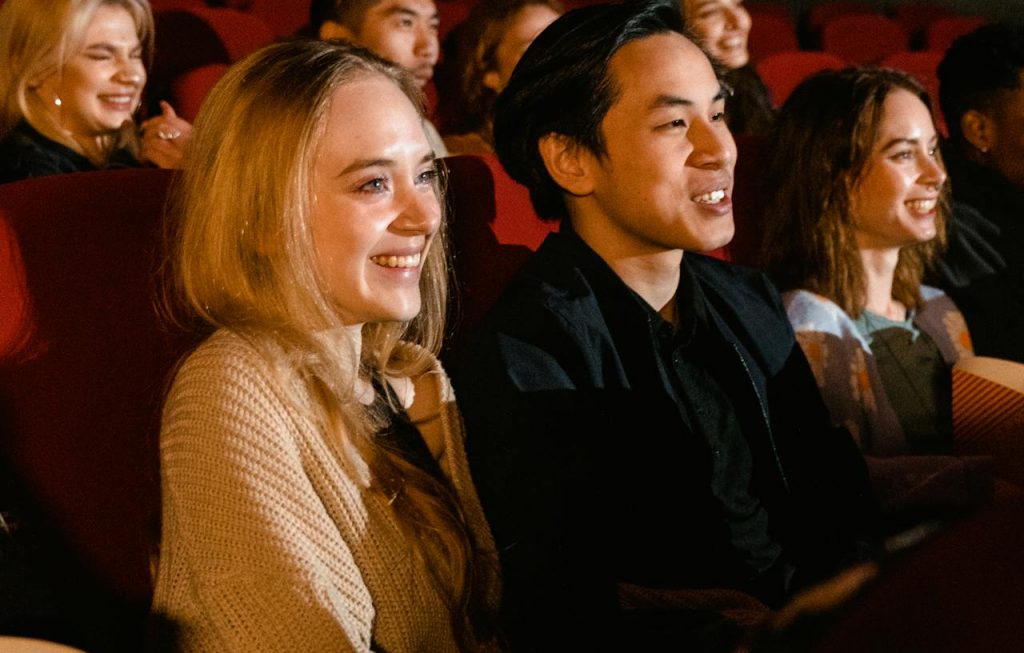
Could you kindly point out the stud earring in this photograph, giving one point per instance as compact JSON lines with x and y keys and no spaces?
{"x":56,"y":101}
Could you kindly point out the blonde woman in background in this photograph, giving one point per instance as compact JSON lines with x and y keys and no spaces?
{"x":71,"y":79}
{"x":316,"y":495}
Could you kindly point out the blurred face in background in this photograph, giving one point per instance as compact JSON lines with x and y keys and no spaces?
{"x":520,"y":32}
{"x":722,"y":26}
{"x":402,"y":31}
{"x":99,"y":87}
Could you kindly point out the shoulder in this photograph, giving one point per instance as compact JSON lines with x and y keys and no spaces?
{"x":229,"y":384}
{"x":943,"y":321}
{"x":25,"y":153}
{"x":809,"y":311}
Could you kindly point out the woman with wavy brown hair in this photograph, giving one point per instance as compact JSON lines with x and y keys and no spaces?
{"x":856,"y":209}
{"x":315,"y":488}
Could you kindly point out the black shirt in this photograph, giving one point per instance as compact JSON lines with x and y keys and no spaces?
{"x":26,"y":153}
{"x":692,"y":357}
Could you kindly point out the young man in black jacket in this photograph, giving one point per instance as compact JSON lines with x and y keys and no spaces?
{"x":645,"y":434}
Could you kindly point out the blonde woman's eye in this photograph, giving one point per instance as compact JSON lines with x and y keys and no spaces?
{"x":427,"y":176}
{"x":377,"y":185}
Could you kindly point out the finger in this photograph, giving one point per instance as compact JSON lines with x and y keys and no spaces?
{"x":167,"y":109}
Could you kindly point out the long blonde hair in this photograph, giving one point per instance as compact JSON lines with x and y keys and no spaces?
{"x":242,"y":258}
{"x":37,"y":39}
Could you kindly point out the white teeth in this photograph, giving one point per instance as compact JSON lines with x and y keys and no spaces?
{"x":922,"y":206}
{"x":411,"y":261}
{"x":714,"y":197}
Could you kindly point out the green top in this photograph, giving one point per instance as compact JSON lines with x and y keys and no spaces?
{"x":917,"y":380}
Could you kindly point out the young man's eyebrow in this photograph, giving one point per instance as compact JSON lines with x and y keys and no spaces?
{"x":665,"y":100}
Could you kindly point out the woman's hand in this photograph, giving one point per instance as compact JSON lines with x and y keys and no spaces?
{"x":164,"y":138}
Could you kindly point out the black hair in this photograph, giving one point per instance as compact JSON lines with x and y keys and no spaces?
{"x":561,"y":85}
{"x":976,"y":68}
{"x":349,"y":13}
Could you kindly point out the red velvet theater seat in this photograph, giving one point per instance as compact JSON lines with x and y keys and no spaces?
{"x":83,"y":366}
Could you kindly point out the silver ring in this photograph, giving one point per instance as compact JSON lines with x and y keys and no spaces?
{"x":168,"y":134}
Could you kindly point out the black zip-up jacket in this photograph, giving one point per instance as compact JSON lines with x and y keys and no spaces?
{"x":575,"y":448}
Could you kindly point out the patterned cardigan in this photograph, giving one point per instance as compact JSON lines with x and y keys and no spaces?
{"x":845,"y":367}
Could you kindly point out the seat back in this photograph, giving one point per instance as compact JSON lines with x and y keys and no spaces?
{"x":783,"y":71}
{"x":189,"y":89}
{"x":493,"y":228}
{"x":83,"y":367}
{"x":941,"y":33}
{"x":770,"y":33}
{"x":863,"y":39}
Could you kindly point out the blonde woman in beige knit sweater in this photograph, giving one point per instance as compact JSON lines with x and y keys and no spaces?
{"x":316,"y":495}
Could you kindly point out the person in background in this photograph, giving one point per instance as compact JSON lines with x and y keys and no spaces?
{"x":855,"y":215}
{"x":647,"y":439}
{"x":72,"y":79}
{"x":723,"y":26}
{"x":315,"y":489}
{"x":490,"y":42}
{"x":981,"y":92}
{"x":402,"y":31}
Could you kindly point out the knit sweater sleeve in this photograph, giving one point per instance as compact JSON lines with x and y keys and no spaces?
{"x":250,"y":559}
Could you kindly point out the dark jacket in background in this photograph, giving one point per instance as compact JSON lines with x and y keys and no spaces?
{"x":27,"y":153}
{"x":982,"y":269}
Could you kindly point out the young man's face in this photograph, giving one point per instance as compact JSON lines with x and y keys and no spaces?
{"x":404,"y":32}
{"x":666,"y":180}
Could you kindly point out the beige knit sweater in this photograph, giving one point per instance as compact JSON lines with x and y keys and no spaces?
{"x":268,"y":542}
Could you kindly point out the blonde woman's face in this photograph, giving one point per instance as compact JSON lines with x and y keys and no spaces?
{"x":375,"y":209}
{"x":100,"y":86}
{"x":722,"y":26}
{"x":895,"y":202}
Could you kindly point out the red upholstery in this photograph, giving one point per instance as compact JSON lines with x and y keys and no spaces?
{"x":817,"y":15}
{"x":184,"y":40}
{"x":770,"y":33}
{"x":915,"y":17}
{"x":240,"y":32}
{"x":493,"y":230}
{"x":283,"y":17}
{"x":782,"y":72}
{"x":863,"y":39}
{"x":747,"y":202}
{"x":941,"y":33}
{"x":451,"y":13}
{"x":923,"y":66}
{"x":83,"y":366}
{"x":190,"y":89}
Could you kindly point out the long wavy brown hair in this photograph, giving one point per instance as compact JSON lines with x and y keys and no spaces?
{"x":818,"y":152}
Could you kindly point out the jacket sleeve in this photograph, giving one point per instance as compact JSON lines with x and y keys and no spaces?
{"x":535,"y":444}
{"x":251,"y":560}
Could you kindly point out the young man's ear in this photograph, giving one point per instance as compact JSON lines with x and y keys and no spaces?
{"x":978,"y":129}
{"x":331,"y":29}
{"x":569,"y":163}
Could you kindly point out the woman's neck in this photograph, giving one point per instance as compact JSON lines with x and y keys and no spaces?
{"x":879,"y":272}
